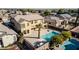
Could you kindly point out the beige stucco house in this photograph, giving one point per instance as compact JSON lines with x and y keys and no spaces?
{"x":56,"y":21}
{"x":26,"y":23}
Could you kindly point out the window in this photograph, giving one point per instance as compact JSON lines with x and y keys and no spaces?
{"x":63,"y":23}
{"x":27,"y":31}
{"x":44,"y":25}
{"x":31,"y":22}
{"x":24,"y":31}
{"x":23,"y":25}
{"x":32,"y":28}
{"x":0,"y":19}
{"x":49,"y":22}
{"x":27,"y":24}
{"x":1,"y":43}
{"x":35,"y":21}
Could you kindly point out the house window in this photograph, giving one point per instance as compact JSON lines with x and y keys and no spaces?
{"x":31,"y":22}
{"x":24,"y":31}
{"x":27,"y":31}
{"x":32,"y":28}
{"x":1,"y":43}
{"x":64,"y":22}
{"x":35,"y":21}
{"x":44,"y":25}
{"x":0,"y":19}
{"x":27,"y":24}
{"x":23,"y":25}
{"x":49,"y":22}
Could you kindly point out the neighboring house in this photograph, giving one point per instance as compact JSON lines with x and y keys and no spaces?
{"x":1,"y":15}
{"x":5,"y":18}
{"x":65,"y":16}
{"x":56,"y":21}
{"x":26,"y":23}
{"x":75,"y":32}
{"x":7,"y":36}
{"x":37,"y":44}
{"x":19,"y":12}
{"x":12,"y":11}
{"x":76,"y":29}
{"x":1,"y":21}
{"x":73,"y":19}
{"x":3,"y":11}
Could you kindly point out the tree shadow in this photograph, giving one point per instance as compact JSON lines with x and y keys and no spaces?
{"x":70,"y":47}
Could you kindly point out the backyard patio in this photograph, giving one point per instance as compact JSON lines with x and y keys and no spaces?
{"x":34,"y":33}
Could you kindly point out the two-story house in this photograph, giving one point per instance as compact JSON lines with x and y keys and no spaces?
{"x":26,"y":23}
{"x":55,"y":21}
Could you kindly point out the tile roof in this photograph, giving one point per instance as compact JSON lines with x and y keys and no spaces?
{"x":51,"y":18}
{"x":76,"y":29}
{"x":66,"y":16}
{"x":28,"y":17}
{"x":3,"y":28}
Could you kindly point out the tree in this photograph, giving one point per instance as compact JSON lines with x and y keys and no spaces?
{"x":39,"y":26}
{"x":46,"y":13}
{"x":56,"y":40}
{"x":77,"y":18}
{"x":60,"y":11}
{"x":54,"y":10}
{"x":66,"y":35}
{"x":20,"y":38}
{"x":23,"y":10}
{"x":30,"y":10}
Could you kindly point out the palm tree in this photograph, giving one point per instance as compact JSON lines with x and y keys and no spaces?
{"x":77,"y":18}
{"x":20,"y":38}
{"x":39,"y":26}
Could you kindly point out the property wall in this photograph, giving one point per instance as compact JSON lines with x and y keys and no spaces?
{"x":44,"y":47}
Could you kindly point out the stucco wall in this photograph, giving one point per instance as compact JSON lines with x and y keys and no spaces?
{"x":44,"y":47}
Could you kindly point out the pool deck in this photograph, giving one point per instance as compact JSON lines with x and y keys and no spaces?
{"x":72,"y":44}
{"x":57,"y":48}
{"x":33,"y":40}
{"x":34,"y":33}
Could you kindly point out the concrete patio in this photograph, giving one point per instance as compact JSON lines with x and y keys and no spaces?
{"x":34,"y":33}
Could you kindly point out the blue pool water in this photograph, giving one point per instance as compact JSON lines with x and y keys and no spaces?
{"x":71,"y":44}
{"x":49,"y":36}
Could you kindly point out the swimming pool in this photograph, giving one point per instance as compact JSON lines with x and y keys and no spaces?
{"x":49,"y":36}
{"x":71,"y":44}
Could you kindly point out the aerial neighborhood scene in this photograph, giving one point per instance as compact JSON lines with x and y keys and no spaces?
{"x":39,"y":29}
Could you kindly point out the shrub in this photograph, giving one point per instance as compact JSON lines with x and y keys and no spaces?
{"x":66,"y":35}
